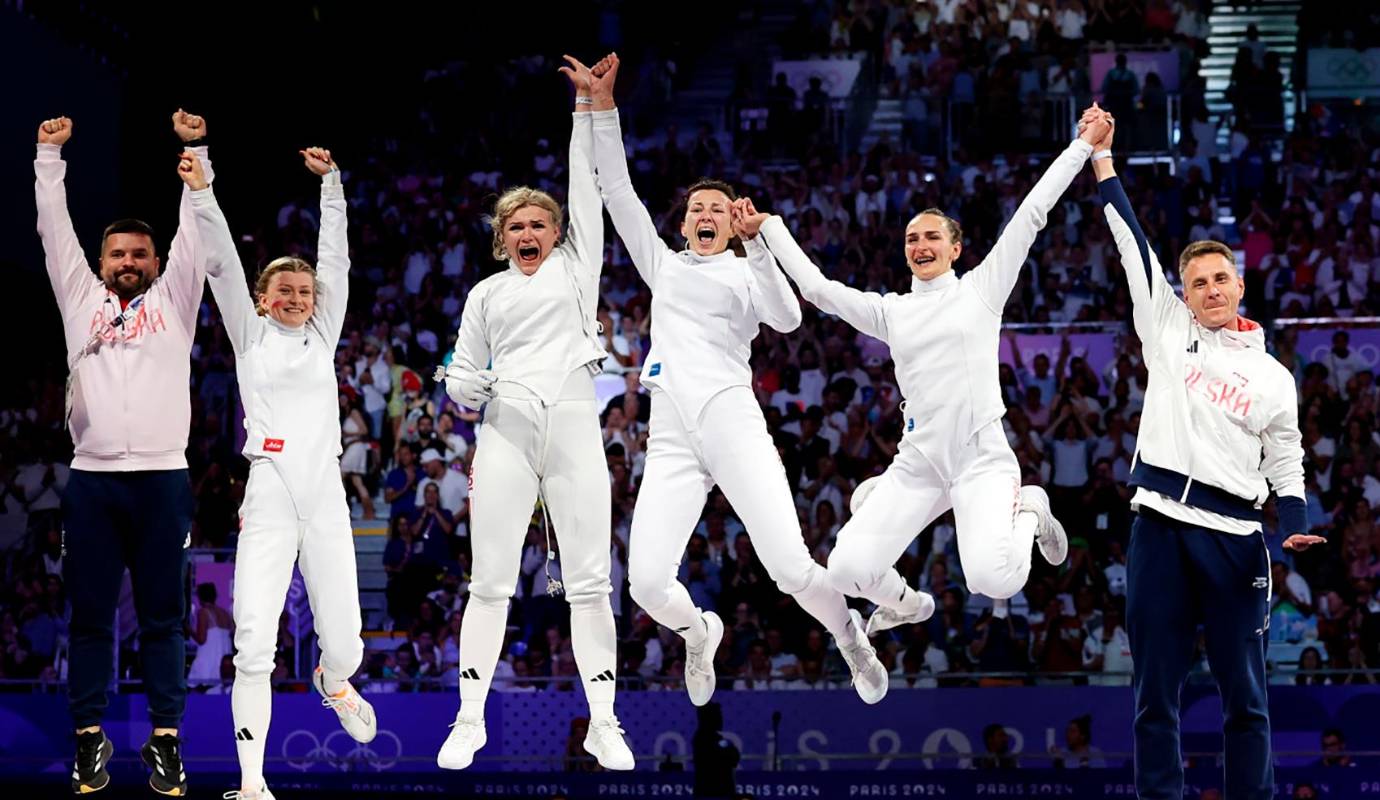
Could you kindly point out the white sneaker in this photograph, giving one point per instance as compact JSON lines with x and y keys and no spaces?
{"x":606,"y":743}
{"x":262,"y":794}
{"x":355,"y":713}
{"x":465,"y":739}
{"x":1049,"y":534}
{"x":699,"y":661}
{"x":885,"y":618}
{"x":869,"y":676}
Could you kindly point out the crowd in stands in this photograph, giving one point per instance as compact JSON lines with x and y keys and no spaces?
{"x":1307,"y":232}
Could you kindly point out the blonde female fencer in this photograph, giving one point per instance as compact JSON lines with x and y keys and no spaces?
{"x":527,"y":352}
{"x":294,"y":508}
{"x":943,"y":336}
{"x":706,"y":425}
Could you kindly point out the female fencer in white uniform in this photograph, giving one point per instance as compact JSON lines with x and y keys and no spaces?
{"x":527,"y":352}
{"x":706,"y":426}
{"x":294,"y":508}
{"x":943,"y":336}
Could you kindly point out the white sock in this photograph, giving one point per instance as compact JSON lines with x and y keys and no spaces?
{"x":821,"y":601}
{"x":334,"y":685}
{"x":481,"y":637}
{"x":595,"y":642}
{"x":1000,"y":609}
{"x":251,"y":706}
{"x":680,"y":614}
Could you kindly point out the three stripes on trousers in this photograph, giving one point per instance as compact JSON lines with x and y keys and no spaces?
{"x":473,"y":674}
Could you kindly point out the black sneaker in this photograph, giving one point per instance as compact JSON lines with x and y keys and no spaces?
{"x":93,"y":756}
{"x":163,"y":755}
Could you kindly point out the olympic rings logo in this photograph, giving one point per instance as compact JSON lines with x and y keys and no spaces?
{"x":302,"y":751}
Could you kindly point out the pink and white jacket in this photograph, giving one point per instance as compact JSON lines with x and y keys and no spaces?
{"x":129,"y":370}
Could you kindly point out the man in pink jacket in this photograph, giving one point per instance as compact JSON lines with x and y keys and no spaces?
{"x":128,"y":503}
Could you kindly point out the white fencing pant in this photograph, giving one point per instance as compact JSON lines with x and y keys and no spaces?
{"x":272,"y":539}
{"x":524,"y":447}
{"x":730,"y":447}
{"x":994,"y":538}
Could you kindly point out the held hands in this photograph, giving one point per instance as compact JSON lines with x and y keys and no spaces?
{"x":471,"y":389}
{"x":596,"y":82}
{"x":318,"y":160}
{"x":55,"y":131}
{"x":746,"y":219}
{"x":1096,"y":127}
{"x":1302,"y":541}
{"x":188,"y":127}
{"x":191,"y":172}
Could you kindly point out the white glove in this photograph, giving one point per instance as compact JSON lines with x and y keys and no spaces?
{"x":469,"y":388}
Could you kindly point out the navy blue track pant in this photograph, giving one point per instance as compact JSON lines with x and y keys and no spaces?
{"x":111,"y":520}
{"x":1178,"y":576}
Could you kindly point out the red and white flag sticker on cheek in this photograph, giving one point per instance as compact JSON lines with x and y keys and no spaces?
{"x":273,"y":445}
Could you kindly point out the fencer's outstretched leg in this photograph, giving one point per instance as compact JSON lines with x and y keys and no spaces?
{"x":889,"y":511}
{"x":744,"y":461}
{"x":263,"y":571}
{"x":576,"y":489}
{"x":327,"y":561}
{"x":995,"y":529}
{"x":503,"y":494}
{"x":674,"y":487}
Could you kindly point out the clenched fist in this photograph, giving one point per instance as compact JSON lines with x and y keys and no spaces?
{"x":188,"y":127}
{"x":55,"y":131}
{"x":189,"y":169}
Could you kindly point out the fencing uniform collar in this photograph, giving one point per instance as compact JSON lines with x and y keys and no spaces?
{"x":936,"y":284}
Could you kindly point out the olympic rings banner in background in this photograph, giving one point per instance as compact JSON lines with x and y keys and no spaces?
{"x":816,"y":729}
{"x":1335,"y":72}
{"x":1314,"y":344}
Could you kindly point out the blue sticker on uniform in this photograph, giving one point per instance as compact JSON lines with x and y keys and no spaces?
{"x":910,"y":424}
{"x":655,"y":370}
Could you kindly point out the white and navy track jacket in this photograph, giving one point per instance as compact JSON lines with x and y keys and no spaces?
{"x":1220,"y":424}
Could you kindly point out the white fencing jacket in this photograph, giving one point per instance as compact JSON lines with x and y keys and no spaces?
{"x":705,"y":310}
{"x":1221,"y":414}
{"x":945,"y":332}
{"x":533,"y":330}
{"x":287,"y":375}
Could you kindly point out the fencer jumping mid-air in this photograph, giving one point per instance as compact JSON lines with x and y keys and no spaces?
{"x":706,"y":425}
{"x":294,"y":508}
{"x":527,"y":352}
{"x":943,"y":336}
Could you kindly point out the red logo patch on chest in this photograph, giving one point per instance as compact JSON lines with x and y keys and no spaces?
{"x":273,"y":445}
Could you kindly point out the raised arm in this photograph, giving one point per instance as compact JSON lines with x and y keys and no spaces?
{"x":73,"y":281}
{"x":630,"y":217}
{"x":862,"y":310}
{"x":1153,"y":300}
{"x":768,"y":290}
{"x":997,"y":274}
{"x":222,"y":262}
{"x":332,"y":246}
{"x":185,"y":271}
{"x":586,"y":232}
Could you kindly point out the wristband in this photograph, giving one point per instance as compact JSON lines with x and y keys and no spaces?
{"x":200,"y":141}
{"x":584,"y":101}
{"x":1101,"y":154}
